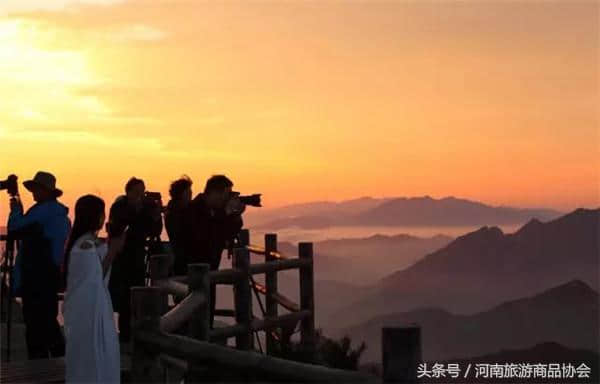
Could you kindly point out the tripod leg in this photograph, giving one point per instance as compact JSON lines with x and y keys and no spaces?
{"x":10,"y":259}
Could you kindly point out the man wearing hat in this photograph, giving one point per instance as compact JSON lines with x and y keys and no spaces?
{"x":42,"y":232}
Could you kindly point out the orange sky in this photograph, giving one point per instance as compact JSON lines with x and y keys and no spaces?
{"x":490,"y":100}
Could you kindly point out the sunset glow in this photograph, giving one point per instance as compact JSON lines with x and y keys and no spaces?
{"x":302,"y":101}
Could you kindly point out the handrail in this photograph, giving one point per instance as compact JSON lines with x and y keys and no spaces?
{"x":182,"y":312}
{"x":258,"y":250}
{"x":225,"y":276}
{"x":258,"y":325}
{"x":279,"y":265}
{"x":172,"y":287}
{"x":286,"y":303}
{"x":231,"y":275}
{"x":186,"y":348}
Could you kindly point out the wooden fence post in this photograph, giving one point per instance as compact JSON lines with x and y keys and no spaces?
{"x":401,"y":352}
{"x":243,"y":298}
{"x":147,"y":304}
{"x":307,"y":299}
{"x":271,"y":286}
{"x":199,"y":325}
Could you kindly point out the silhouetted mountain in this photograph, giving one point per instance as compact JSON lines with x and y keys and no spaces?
{"x":543,"y":353}
{"x":486,"y":267}
{"x":447,"y":211}
{"x":366,"y":260}
{"x":415,"y":211}
{"x":567,"y":314}
{"x":316,"y":213}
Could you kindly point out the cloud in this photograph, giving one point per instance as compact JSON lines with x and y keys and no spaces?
{"x":139,"y":32}
{"x":9,"y":6}
{"x":135,"y":145}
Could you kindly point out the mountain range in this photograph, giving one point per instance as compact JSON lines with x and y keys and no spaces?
{"x":566,"y":314}
{"x":364,"y":261}
{"x":402,"y":211}
{"x":486,"y":267}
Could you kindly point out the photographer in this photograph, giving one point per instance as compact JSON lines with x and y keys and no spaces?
{"x":177,"y":221}
{"x":42,"y":231}
{"x":143,"y":219}
{"x":215,"y":220}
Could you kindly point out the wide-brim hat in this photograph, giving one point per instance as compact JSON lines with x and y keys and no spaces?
{"x":45,"y":180}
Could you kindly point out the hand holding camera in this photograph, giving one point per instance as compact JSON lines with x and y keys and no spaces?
{"x":11,"y":185}
{"x":235,"y":206}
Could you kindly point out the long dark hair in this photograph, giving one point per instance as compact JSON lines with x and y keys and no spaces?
{"x":88,"y":211}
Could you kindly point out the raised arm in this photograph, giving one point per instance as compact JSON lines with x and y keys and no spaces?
{"x":19,"y":223}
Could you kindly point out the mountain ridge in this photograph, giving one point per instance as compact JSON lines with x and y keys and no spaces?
{"x":396,"y":211}
{"x":545,"y":316}
{"x":486,"y":267}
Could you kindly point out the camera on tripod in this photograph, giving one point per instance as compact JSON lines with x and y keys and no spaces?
{"x":11,"y":185}
{"x":153,"y":200}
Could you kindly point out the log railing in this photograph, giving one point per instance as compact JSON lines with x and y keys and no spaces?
{"x":152,"y":345}
{"x":240,"y":277}
{"x":154,"y":322}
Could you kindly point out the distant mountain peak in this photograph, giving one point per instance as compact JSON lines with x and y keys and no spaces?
{"x":484,"y":231}
{"x":574,"y":287}
{"x":531,"y":226}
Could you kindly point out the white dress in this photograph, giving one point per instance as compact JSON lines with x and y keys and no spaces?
{"x":92,"y":344}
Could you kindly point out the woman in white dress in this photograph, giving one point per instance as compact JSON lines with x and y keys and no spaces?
{"x":92,"y":344}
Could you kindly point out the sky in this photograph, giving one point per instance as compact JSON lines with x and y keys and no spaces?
{"x":496,"y":101}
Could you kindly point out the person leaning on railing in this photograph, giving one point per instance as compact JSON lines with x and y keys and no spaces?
{"x":215,"y":220}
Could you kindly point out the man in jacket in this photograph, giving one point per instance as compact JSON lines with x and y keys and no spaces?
{"x":215,"y":220}
{"x":42,"y":233}
{"x":143,"y":220}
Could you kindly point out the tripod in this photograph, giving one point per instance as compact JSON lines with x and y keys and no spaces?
{"x":5,"y":289}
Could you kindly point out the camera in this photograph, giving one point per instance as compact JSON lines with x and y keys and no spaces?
{"x":10,"y":184}
{"x":252,"y":200}
{"x":153,"y":199}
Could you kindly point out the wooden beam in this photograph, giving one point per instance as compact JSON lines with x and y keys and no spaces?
{"x":401,"y":353}
{"x":226,"y":276}
{"x":278,"y":369}
{"x":258,"y":250}
{"x":182,"y":312}
{"x":225,"y":312}
{"x":171,"y":287}
{"x":270,"y":288}
{"x":147,"y":304}
{"x":278,"y":265}
{"x":307,"y":297}
{"x":282,"y":300}
{"x":258,"y":325}
{"x":199,"y":325}
{"x":243,"y":298}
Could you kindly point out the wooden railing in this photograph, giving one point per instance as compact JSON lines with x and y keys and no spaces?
{"x":194,"y":352}
{"x":154,"y":323}
{"x":240,"y":276}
